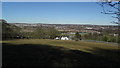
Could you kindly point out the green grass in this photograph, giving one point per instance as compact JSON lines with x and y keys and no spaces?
{"x":89,"y":47}
{"x":70,"y":50}
{"x":77,"y":45}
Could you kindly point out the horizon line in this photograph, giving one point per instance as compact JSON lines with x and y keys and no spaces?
{"x":66,"y":24}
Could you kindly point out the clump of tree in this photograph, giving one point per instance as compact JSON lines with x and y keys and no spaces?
{"x":77,"y":36}
{"x":101,"y":37}
{"x":91,"y":36}
{"x":9,"y":31}
{"x":13,"y":32}
{"x":45,"y":33}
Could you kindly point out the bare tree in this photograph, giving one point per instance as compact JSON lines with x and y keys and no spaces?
{"x":111,"y":7}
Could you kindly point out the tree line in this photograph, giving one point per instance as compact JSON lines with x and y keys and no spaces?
{"x":101,"y":37}
{"x":13,"y":32}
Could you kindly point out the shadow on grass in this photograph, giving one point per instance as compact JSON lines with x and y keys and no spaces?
{"x":33,"y":55}
{"x":110,"y":54}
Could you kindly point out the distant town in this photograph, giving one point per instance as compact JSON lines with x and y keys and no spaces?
{"x":107,"y":33}
{"x":72,"y":28}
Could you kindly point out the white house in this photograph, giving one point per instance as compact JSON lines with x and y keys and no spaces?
{"x":57,"y":38}
{"x":62,"y":38}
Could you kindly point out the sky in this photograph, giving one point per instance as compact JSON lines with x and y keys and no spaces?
{"x":0,"y":10}
{"x":49,"y":0}
{"x":55,"y":13}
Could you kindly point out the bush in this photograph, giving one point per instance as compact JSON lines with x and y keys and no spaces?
{"x":105,"y":38}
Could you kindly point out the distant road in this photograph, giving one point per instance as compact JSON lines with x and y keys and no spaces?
{"x":100,"y":42}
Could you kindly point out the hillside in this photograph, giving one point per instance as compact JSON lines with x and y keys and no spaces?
{"x":8,"y":31}
{"x":58,"y":53}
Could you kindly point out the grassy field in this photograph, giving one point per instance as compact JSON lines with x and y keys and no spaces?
{"x":59,"y":53}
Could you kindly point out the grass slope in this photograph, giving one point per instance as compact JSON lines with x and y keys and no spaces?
{"x":59,"y":53}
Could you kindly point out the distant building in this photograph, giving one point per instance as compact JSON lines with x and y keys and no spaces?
{"x":57,"y":38}
{"x":115,"y":34}
{"x":89,"y":28}
{"x":62,"y":38}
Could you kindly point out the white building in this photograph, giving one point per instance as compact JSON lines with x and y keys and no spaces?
{"x":57,"y":38}
{"x":62,"y":38}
